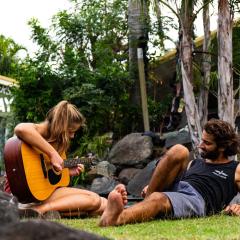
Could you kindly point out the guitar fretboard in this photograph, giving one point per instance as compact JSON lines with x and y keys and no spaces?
{"x":68,"y":163}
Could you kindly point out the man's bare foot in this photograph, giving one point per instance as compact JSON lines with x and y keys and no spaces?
{"x":115,"y":205}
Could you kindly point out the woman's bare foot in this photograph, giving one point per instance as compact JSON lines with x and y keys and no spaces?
{"x":115,"y":205}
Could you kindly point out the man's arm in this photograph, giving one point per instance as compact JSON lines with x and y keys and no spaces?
{"x":234,"y":209}
{"x":237,"y":177}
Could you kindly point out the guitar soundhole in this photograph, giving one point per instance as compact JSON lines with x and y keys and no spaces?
{"x":53,"y":178}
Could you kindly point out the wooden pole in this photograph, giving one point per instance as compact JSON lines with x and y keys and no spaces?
{"x":143,"y":89}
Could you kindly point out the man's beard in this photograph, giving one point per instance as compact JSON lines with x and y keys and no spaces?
{"x":212,"y":155}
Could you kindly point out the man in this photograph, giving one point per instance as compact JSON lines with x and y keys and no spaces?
{"x":179,"y":189}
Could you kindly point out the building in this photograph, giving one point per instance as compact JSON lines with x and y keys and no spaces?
{"x":5,"y":111}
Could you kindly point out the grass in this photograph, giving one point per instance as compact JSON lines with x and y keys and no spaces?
{"x":219,"y":227}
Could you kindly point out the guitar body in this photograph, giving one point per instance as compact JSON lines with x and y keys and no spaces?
{"x":30,"y":174}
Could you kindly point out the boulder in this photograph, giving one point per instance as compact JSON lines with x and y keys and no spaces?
{"x":103,"y":186}
{"x":134,"y":149}
{"x":140,"y":180}
{"x":8,"y":209}
{"x":105,"y":168}
{"x":127,"y":174}
{"x":178,"y":137}
{"x":42,"y":229}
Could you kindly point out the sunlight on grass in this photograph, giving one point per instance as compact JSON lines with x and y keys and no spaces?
{"x":217,"y":227}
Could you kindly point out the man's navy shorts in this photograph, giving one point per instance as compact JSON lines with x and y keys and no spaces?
{"x":186,"y":201}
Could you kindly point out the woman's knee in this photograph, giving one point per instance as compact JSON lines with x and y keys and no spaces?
{"x":95,"y":201}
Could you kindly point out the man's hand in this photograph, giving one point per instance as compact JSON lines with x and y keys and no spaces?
{"x":75,"y":171}
{"x":144,"y":191}
{"x":233,"y":209}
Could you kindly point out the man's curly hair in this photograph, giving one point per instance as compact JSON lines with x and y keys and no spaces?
{"x":224,"y":136}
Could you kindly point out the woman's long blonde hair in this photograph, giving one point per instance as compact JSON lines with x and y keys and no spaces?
{"x":60,"y":118}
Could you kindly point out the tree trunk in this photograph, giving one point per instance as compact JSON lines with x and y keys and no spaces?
{"x":138,"y":35}
{"x":206,"y":66}
{"x":225,"y":76}
{"x":187,"y":76}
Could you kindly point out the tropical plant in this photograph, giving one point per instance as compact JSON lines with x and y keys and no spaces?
{"x":96,"y":147}
{"x":82,"y":57}
{"x":9,"y":57}
{"x":9,"y":62}
{"x":158,"y":111}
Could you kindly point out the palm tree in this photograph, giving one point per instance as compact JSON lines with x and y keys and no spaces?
{"x":138,"y":35}
{"x":8,"y":54}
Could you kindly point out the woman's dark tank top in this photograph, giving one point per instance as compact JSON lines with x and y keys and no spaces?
{"x":215,"y":183}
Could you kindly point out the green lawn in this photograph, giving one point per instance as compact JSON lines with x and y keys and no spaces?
{"x":216,"y":227}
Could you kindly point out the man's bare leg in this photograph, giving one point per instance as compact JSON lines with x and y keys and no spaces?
{"x":115,"y":214}
{"x":171,"y":165}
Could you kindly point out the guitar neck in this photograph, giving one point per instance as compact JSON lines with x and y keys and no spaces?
{"x":73,"y":162}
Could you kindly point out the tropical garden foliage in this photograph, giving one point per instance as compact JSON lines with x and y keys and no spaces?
{"x":79,"y":59}
{"x":89,"y":56}
{"x":82,"y":57}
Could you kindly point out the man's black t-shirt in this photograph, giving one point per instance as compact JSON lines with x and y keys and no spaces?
{"x":215,"y":183}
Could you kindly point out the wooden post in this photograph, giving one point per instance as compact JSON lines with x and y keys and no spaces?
{"x":143,"y":89}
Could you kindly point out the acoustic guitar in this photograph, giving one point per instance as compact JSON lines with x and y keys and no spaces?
{"x":30,"y":174}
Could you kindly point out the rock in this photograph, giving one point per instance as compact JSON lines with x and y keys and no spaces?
{"x":8,"y":209}
{"x":103,"y":186}
{"x":41,"y":229}
{"x":127,"y":174}
{"x":105,"y":168}
{"x":156,"y":139}
{"x":178,"y":137}
{"x":140,"y":180}
{"x":133,"y":150}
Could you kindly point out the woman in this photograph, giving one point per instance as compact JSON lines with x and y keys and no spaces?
{"x":52,"y":137}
